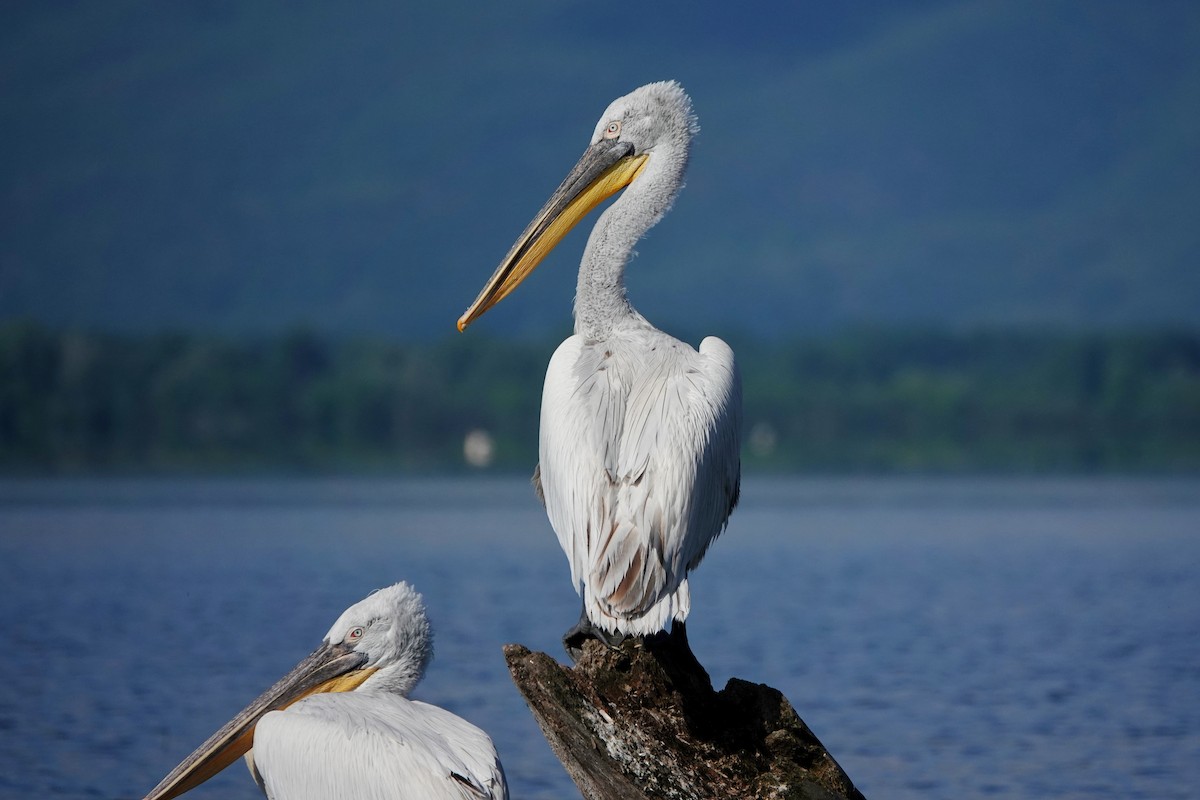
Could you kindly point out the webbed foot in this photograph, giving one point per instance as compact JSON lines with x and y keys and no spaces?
{"x":582,"y":631}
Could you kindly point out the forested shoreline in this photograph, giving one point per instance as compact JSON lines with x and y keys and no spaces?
{"x":879,"y":400}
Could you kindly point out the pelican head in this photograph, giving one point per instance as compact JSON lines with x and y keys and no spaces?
{"x":647,"y":131}
{"x":382,"y":643}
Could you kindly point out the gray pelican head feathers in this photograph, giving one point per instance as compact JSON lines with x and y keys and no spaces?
{"x":641,"y":141}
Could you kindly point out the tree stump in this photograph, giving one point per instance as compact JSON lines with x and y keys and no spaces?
{"x":642,"y":722}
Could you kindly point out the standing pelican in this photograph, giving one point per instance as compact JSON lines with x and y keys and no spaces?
{"x":639,"y":463}
{"x":340,"y":724}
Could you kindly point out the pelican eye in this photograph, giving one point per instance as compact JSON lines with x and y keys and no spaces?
{"x":354,"y":634}
{"x":613,"y":130}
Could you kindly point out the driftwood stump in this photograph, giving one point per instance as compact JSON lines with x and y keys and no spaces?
{"x":642,"y":721}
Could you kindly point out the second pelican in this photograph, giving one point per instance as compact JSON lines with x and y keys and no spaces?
{"x":340,"y":724}
{"x":639,"y":464}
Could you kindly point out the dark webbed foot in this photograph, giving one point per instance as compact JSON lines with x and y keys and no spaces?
{"x":582,"y":631}
{"x":673,"y":641}
{"x":673,"y":651}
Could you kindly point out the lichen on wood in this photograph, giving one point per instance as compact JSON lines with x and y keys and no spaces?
{"x":642,"y":722}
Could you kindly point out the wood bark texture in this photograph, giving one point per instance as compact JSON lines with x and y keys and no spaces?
{"x":642,"y":722}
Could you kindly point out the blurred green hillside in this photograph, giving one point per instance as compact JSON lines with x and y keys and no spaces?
{"x":218,"y":166}
{"x":883,"y":400}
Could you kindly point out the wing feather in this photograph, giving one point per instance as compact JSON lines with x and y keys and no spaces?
{"x":374,"y":746}
{"x":640,"y":464}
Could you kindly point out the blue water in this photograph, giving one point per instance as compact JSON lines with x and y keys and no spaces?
{"x":944,"y":638}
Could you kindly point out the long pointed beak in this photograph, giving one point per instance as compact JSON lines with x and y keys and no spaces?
{"x":605,"y":168}
{"x":330,"y":668}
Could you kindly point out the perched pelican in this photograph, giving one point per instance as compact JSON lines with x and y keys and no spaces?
{"x":639,"y":464}
{"x":340,"y":724}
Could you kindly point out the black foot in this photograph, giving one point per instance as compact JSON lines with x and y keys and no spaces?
{"x":675,"y":654}
{"x":672,"y":641}
{"x":582,"y":631}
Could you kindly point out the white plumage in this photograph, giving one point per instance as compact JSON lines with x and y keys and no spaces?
{"x":373,"y":746}
{"x":340,"y":724}
{"x":639,"y":468}
{"x":639,"y":446}
{"x":374,"y":743}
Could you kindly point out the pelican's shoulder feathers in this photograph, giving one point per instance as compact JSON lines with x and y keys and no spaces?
{"x":352,"y":744}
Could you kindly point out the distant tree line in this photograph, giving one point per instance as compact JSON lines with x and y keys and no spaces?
{"x":886,"y":400}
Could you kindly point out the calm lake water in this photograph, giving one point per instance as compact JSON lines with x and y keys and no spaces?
{"x":944,"y":638}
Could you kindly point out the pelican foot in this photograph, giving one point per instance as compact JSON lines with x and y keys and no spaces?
{"x":673,"y":641}
{"x":582,"y":631}
{"x":674,"y":653}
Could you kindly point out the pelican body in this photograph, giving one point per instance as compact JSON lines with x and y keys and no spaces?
{"x":340,"y":724}
{"x":639,"y":464}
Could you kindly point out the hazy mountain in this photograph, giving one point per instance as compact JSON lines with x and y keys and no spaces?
{"x":247,"y":167}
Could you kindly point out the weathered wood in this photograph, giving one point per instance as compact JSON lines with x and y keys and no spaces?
{"x":642,"y":722}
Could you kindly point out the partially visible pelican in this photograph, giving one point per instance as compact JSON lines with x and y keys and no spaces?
{"x":639,"y":454}
{"x":340,"y":724}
